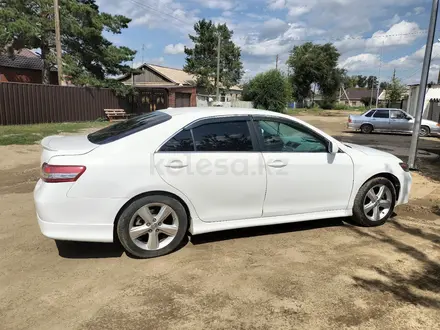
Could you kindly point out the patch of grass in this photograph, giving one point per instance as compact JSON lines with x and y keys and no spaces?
{"x":31,"y":134}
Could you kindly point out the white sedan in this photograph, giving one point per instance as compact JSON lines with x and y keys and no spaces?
{"x":150,"y":180}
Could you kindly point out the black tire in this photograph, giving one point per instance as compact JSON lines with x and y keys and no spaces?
{"x":124,"y":221}
{"x":367,"y":128}
{"x":424,"y":131}
{"x":358,"y":208}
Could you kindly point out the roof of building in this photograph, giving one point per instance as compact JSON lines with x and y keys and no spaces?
{"x":176,"y":76}
{"x":23,"y":59}
{"x":358,"y":93}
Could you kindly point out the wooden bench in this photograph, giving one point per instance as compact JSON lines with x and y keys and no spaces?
{"x":116,"y":114}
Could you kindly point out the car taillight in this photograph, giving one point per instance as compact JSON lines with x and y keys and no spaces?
{"x":349,"y":119}
{"x":438,"y":124}
{"x":404,"y":166}
{"x":61,"y":173}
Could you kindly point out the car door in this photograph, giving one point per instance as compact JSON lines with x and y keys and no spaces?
{"x":216,"y":164}
{"x":302,"y":176}
{"x":399,"y":121}
{"x":381,"y":119}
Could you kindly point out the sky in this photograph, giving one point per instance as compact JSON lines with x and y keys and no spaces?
{"x":372,"y":37}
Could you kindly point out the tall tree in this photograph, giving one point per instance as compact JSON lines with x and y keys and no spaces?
{"x":201,"y":61}
{"x":372,"y":82}
{"x":88,"y":57}
{"x":269,"y":90}
{"x":350,"y":81}
{"x":395,"y":89}
{"x":384,"y":85}
{"x":362,"y":81}
{"x":312,"y":63}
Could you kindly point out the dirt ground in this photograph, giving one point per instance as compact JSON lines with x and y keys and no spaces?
{"x":326,"y":274}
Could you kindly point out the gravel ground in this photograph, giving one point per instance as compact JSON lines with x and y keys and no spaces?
{"x":326,"y":274}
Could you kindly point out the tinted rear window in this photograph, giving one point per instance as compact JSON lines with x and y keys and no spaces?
{"x":382,"y":114}
{"x":119,"y":130}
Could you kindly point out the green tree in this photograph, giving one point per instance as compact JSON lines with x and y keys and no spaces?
{"x":269,"y":90}
{"x":88,"y":57}
{"x":315,"y":64}
{"x":367,"y":101}
{"x":201,"y":60}
{"x":384,"y":85}
{"x":372,"y":82}
{"x":362,"y":81}
{"x":350,"y":81}
{"x":395,"y":90}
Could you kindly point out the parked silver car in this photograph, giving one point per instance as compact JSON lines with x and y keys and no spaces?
{"x":390,"y":120}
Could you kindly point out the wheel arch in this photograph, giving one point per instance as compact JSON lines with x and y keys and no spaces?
{"x":149,"y":193}
{"x":394,"y":180}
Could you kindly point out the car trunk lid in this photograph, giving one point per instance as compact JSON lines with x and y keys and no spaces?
{"x":65,"y":146}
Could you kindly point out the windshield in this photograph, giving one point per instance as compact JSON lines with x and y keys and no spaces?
{"x":127,"y":127}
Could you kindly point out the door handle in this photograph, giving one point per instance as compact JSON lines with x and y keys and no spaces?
{"x":277,"y":164}
{"x":176,"y":164}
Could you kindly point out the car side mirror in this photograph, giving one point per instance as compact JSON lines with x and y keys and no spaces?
{"x":333,"y":148}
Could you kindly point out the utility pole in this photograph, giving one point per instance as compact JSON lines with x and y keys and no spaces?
{"x":378,"y":79}
{"x":143,"y":48}
{"x":422,"y":88}
{"x":218,"y":66}
{"x":371,"y":96}
{"x":58,"y":42}
{"x":276,"y":65}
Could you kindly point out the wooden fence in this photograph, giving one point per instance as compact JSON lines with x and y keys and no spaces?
{"x":34,"y":103}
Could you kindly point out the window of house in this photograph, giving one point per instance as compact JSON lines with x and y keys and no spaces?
{"x":382,"y":114}
{"x":281,"y":137}
{"x":180,"y":142}
{"x":223,"y":136}
{"x":347,"y":103}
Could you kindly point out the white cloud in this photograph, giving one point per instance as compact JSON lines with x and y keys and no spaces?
{"x":416,"y":59}
{"x":399,"y":34}
{"x":419,"y":10}
{"x":277,"y":4}
{"x":174,"y":49}
{"x":394,"y":20}
{"x":360,"y":62}
{"x":217,"y":4}
{"x":298,"y":10}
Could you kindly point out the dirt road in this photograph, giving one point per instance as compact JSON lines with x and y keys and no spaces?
{"x":318,"y":275}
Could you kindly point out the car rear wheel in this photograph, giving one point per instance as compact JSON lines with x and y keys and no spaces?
{"x":424,"y":131}
{"x":152,"y":226}
{"x":366,"y":128}
{"x":374,"y":203}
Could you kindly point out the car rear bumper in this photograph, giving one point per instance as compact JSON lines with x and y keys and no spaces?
{"x":76,"y":232}
{"x":74,"y":219}
{"x":352,"y":126}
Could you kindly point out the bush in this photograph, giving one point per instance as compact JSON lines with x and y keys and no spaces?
{"x":269,"y":90}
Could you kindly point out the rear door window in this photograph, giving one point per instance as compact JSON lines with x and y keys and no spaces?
{"x":230,"y":136}
{"x":382,"y":114}
{"x":182,"y":141}
{"x":119,"y":130}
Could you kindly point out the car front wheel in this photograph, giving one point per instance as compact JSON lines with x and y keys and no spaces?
{"x":152,"y":226}
{"x":374,"y":203}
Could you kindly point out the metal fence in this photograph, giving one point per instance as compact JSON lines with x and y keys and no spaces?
{"x":33,"y":103}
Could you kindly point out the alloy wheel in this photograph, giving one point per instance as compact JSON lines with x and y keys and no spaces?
{"x":377,"y":202}
{"x":153,"y":226}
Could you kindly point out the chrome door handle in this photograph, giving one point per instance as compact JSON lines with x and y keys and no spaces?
{"x":277,"y":164}
{"x":176,"y":164}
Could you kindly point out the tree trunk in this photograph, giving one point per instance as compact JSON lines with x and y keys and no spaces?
{"x":45,"y":72}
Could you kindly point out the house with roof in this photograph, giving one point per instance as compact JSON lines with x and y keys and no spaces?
{"x":25,"y":67}
{"x":353,"y":96}
{"x":177,"y":83}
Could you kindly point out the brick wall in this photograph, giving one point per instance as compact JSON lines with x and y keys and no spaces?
{"x":189,"y":90}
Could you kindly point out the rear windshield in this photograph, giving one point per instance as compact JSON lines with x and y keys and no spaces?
{"x":119,"y":130}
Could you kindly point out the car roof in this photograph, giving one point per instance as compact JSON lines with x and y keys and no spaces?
{"x":203,"y":112}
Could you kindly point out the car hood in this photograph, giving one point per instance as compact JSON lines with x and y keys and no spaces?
{"x":369,"y":151}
